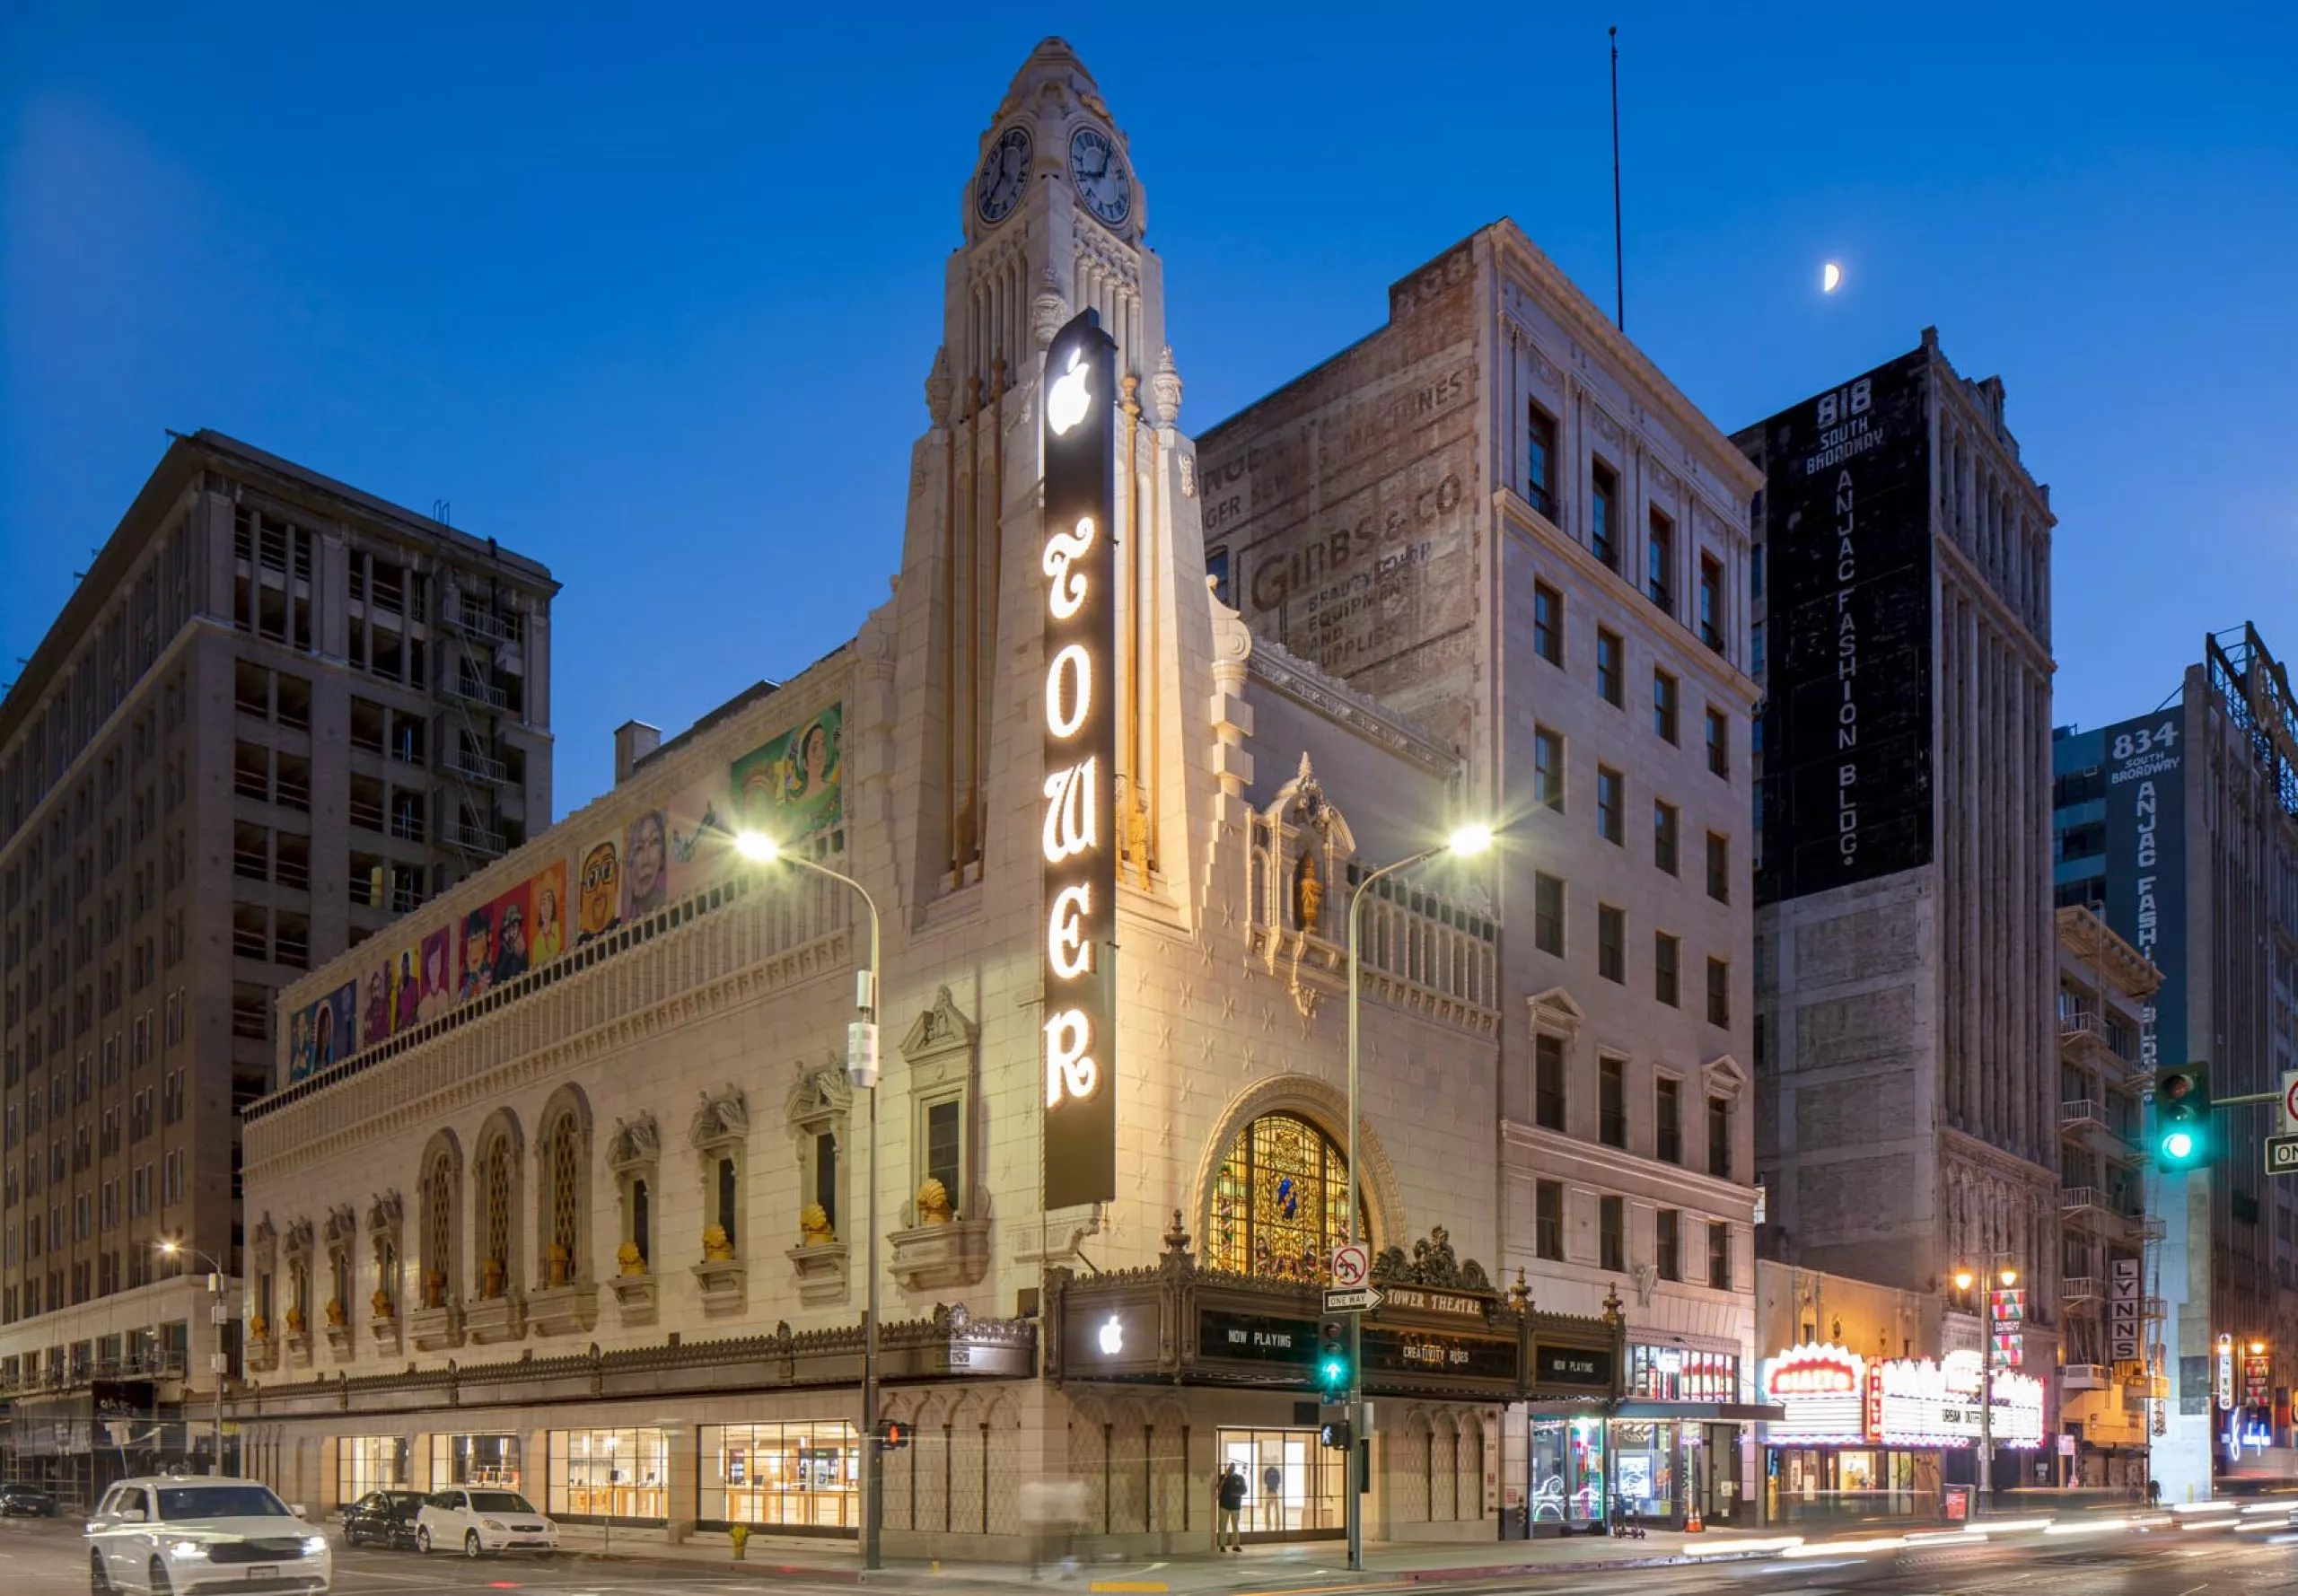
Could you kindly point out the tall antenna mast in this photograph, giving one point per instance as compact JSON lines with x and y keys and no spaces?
{"x":1619,"y":265}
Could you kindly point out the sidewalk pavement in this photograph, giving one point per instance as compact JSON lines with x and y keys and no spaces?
{"x":1289,"y":1566}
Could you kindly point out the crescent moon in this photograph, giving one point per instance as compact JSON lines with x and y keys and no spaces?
{"x":1830,"y":278}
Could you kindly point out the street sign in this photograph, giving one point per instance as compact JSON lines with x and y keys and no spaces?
{"x":1350,"y":1264}
{"x":2289,"y":1124}
{"x":2282,"y":1156}
{"x":1357,"y":1298}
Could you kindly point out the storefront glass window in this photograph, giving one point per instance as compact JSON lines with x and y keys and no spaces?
{"x":475,"y":1460}
{"x":1644,"y":1467}
{"x":1293,"y":1483}
{"x":1568,"y":1471}
{"x":364,"y":1463}
{"x":1679,"y":1374}
{"x":1280,"y":1202}
{"x":806,"y":1474}
{"x":619,"y":1474}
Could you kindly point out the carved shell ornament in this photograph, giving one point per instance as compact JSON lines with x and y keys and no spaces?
{"x":813,"y":1224}
{"x":934,"y":1203}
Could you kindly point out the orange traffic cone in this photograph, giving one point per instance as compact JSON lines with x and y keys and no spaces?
{"x":1692,"y":1526}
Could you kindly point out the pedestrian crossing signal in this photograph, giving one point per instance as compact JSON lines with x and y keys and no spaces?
{"x":893,"y":1435}
{"x":1334,"y":1436}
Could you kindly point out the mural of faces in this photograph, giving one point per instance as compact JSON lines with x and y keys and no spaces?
{"x":646,"y":859}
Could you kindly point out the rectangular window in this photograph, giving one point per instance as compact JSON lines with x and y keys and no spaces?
{"x":801,"y":1476}
{"x":1711,"y":603}
{"x":1611,"y":943}
{"x":1668,"y":1252}
{"x":1719,"y":743}
{"x":1548,"y":623}
{"x":1719,"y":867}
{"x":1548,"y":913}
{"x":1604,"y":513}
{"x":619,"y":1474}
{"x":1547,"y":1220}
{"x":1664,"y":837}
{"x":1663,"y":705}
{"x":1611,"y":1236}
{"x":1719,"y":992}
{"x":1668,"y":1104}
{"x":1611,"y":799}
{"x":1755,"y":649}
{"x":1719,"y":1137}
{"x":1755,"y":568}
{"x":1660,"y":562}
{"x":1719,"y":1256}
{"x":1611,"y":1102}
{"x":944,"y":1149}
{"x":1610,"y":672}
{"x":1547,"y":1083}
{"x":1665,"y":949}
{"x":1548,"y":768}
{"x":1539,"y":474}
{"x":826,"y":1174}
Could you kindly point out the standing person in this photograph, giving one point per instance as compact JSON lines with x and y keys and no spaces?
{"x":1272,"y":1491}
{"x":1229,"y":1495}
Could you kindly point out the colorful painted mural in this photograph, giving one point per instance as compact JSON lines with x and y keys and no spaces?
{"x":598,"y":886}
{"x":546,"y":932}
{"x":699,"y":839}
{"x":645,"y":865}
{"x":790,"y":788}
{"x":321,"y":1035}
{"x":513,"y":917}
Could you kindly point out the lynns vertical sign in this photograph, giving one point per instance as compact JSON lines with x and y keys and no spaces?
{"x":1079,"y":836}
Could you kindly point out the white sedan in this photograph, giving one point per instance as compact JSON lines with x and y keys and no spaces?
{"x":480,"y":1521}
{"x":160,"y":1534}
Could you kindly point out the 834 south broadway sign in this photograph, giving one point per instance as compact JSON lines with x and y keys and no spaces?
{"x":1846,"y":783}
{"x":1079,"y":834}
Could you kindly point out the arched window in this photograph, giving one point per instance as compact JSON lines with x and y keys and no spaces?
{"x":564,"y":1178}
{"x":442,"y":1192}
{"x":495,"y":1218}
{"x":1280,"y":1202}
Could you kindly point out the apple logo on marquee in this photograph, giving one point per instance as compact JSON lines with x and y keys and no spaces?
{"x":1112,"y":1337}
{"x":1066,"y":402}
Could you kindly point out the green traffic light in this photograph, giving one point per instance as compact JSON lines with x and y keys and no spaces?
{"x":2179,"y":1144}
{"x":1334,"y":1370}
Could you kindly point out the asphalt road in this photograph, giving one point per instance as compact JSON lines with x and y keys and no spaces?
{"x":48,"y":1557}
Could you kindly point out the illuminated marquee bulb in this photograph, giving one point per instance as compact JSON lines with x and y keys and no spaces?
{"x":1066,"y":950}
{"x":1072,"y":816}
{"x":1068,"y":691}
{"x":1066,"y":595}
{"x":1069,"y":1068}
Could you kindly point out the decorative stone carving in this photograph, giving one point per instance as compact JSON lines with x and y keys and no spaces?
{"x":933,"y":1257}
{"x":628,"y":1260}
{"x":500,"y":1317}
{"x":820,"y":1268}
{"x":720,"y":1120}
{"x":435,"y":1329}
{"x":634,"y":1292}
{"x":1048,"y":311}
{"x":1433,"y":1263}
{"x":814,"y":1228}
{"x":723,"y":1280}
{"x":564,"y":1309}
{"x":1165,"y":389}
{"x":716,"y":1249}
{"x":939,"y":387}
{"x":934,"y":1203}
{"x":635,"y":1144}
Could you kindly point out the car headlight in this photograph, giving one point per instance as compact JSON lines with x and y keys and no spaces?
{"x":187,"y":1551}
{"x":491,"y":1523}
{"x":313,"y":1545}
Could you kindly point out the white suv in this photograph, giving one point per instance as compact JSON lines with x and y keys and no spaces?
{"x":479,"y":1520}
{"x":199,"y":1533}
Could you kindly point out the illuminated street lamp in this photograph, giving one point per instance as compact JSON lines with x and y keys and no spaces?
{"x":862,"y":1070}
{"x":1465,"y":842}
{"x":217,"y":1360}
{"x":1965,"y":1277}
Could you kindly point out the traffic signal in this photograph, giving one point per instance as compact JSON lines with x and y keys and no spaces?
{"x":2182,"y":1139}
{"x":1334,"y":1436}
{"x":1332,"y":1356}
{"x":893,"y":1435}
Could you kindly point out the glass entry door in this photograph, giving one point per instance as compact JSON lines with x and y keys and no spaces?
{"x":1292,"y":1484}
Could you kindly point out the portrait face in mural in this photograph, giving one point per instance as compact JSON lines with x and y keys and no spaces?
{"x":550,"y":932}
{"x":478,"y":953}
{"x":299,"y":1046}
{"x":647,"y":860}
{"x":814,"y":763}
{"x":510,"y":944}
{"x":600,"y":903}
{"x":323,"y":1037}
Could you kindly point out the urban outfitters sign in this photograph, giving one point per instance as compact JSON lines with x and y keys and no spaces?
{"x":1079,"y":834}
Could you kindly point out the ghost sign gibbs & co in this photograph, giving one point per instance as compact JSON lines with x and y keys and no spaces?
{"x":1079,"y":834}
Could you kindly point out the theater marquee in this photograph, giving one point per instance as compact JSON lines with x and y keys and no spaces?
{"x":1079,"y":834}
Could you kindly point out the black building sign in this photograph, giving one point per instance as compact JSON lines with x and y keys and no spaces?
{"x":1080,"y":819}
{"x":1571,"y":1368}
{"x":1426,"y":1354}
{"x":1256,"y":1337}
{"x":1846,"y":782}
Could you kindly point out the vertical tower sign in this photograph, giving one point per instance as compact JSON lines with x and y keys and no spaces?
{"x":1079,"y":841}
{"x":1846,"y":783}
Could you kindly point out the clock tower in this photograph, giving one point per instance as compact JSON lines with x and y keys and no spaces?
{"x":1053,"y":218}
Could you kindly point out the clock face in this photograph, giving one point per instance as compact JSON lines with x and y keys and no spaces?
{"x":1005,"y":173}
{"x":1099,"y":172}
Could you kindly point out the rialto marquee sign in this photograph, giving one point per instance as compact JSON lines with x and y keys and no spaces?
{"x":1836,"y":1398}
{"x":1079,"y":839}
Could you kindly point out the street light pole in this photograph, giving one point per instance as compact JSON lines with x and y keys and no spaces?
{"x":218,"y":1359}
{"x":1467,"y":839}
{"x":1964,"y":1280}
{"x":862,"y":1070}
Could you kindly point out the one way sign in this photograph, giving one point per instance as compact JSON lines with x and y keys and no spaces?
{"x":2282,"y":1156}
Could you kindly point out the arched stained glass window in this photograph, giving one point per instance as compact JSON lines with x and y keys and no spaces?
{"x":1280,"y":1202}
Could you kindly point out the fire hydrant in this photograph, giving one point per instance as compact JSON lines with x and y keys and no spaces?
{"x":741,"y":1536}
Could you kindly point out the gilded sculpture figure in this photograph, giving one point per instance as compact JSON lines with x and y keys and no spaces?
{"x":934,"y":1203}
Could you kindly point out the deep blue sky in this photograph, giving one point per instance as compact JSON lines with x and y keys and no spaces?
{"x":650,"y":295}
